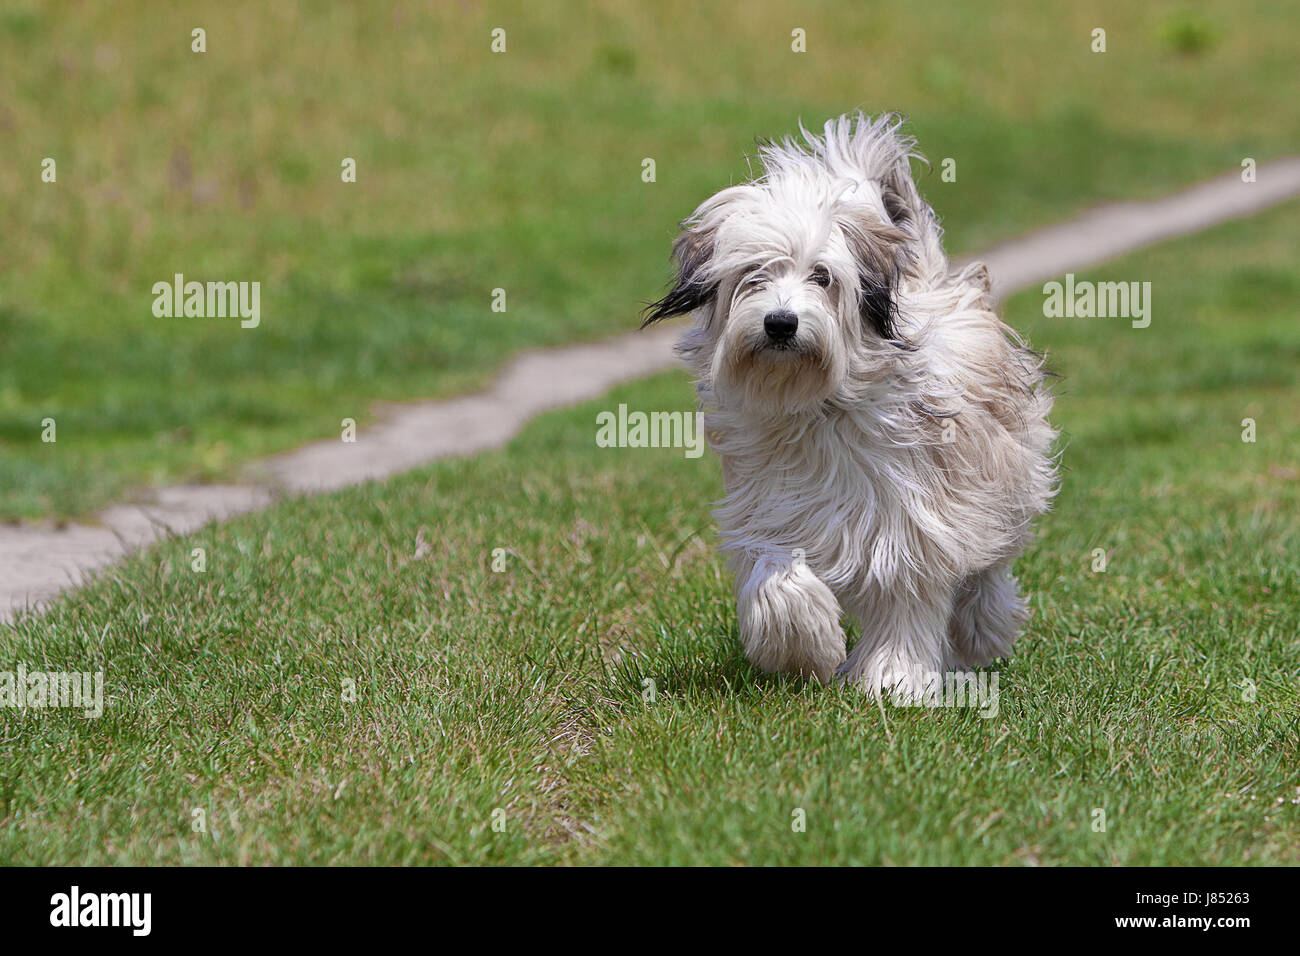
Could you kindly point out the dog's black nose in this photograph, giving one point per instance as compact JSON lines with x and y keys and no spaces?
{"x":781,"y":325}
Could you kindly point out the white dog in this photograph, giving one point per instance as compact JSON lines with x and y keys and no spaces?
{"x":883,"y":436}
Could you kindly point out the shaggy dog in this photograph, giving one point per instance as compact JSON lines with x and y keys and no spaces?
{"x":883,"y":436}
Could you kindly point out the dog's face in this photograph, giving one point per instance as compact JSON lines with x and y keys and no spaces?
{"x":793,"y":282}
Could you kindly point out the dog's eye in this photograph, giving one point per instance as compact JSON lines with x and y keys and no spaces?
{"x":754,"y":280}
{"x":821,"y":276}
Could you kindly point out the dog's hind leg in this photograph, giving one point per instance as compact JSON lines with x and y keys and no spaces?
{"x":987,"y":615}
{"x":789,"y":619}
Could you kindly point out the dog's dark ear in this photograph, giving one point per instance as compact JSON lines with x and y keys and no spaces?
{"x":692,"y":251}
{"x":880,"y":252}
{"x":897,"y":205}
{"x":903,"y":203}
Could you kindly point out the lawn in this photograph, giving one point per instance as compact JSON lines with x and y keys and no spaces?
{"x":1162,"y":691}
{"x":519,"y":171}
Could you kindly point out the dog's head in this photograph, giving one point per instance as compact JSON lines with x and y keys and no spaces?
{"x":793,"y":278}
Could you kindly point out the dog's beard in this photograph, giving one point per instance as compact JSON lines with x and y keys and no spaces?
{"x":767,"y":377}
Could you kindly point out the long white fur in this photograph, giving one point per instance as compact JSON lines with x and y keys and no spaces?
{"x":845,"y":490}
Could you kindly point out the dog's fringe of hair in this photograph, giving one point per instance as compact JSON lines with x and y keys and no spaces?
{"x":850,"y":148}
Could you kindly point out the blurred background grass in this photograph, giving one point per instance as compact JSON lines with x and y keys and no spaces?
{"x":518,"y":170}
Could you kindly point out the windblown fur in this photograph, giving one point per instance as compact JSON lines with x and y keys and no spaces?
{"x":886,"y":457}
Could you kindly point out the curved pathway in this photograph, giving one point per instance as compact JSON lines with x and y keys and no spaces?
{"x":37,"y":562}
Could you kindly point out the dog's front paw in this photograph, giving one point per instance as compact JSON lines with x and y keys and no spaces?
{"x":790,"y":620}
{"x":895,"y":680}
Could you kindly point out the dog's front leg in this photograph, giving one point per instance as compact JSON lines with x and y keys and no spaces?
{"x":789,"y":619}
{"x":904,"y":639}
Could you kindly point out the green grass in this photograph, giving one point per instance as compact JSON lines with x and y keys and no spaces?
{"x":480,"y":171}
{"x":522,"y":690}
